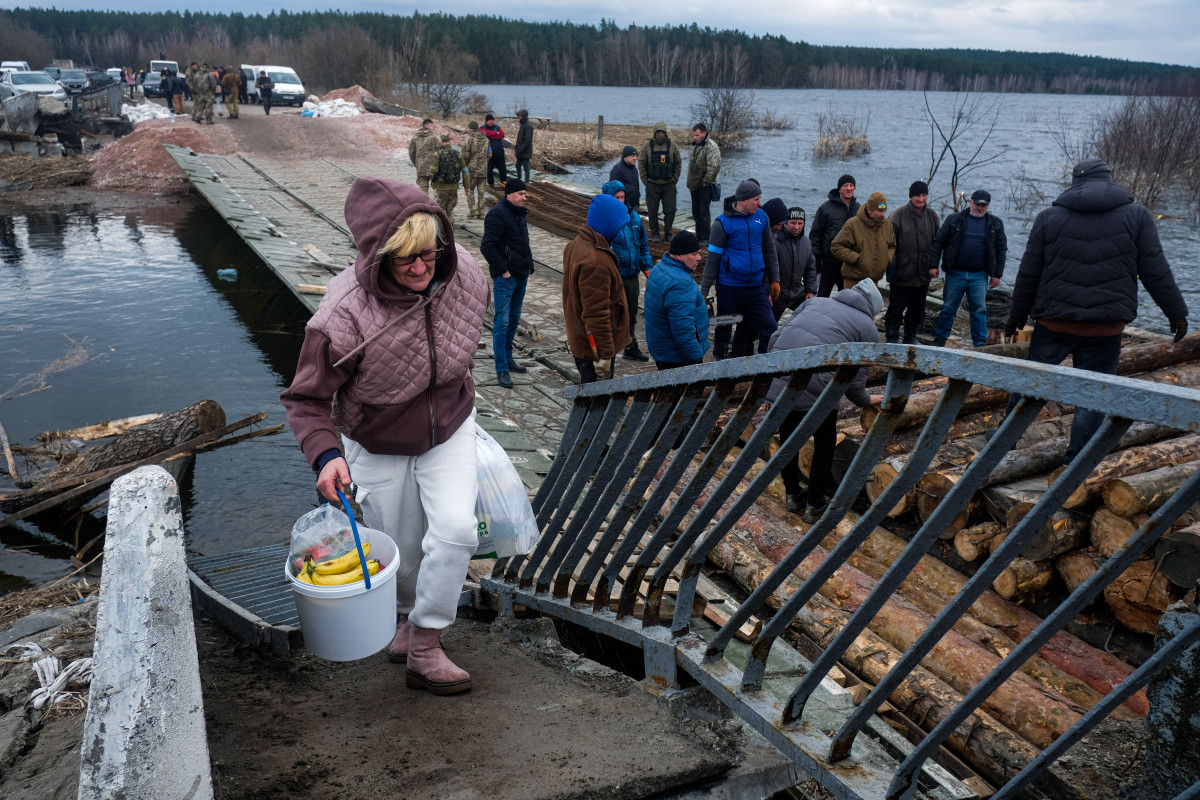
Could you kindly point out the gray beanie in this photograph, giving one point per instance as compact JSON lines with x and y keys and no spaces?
{"x":747,"y":189}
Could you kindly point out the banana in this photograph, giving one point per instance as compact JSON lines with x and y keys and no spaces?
{"x":343,"y":563}
{"x":344,"y":578}
{"x":305,"y":573}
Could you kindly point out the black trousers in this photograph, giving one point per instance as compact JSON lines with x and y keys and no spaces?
{"x":700,"y":203}
{"x":497,"y":164}
{"x":907,"y":305}
{"x":831,"y":275}
{"x":821,"y":473}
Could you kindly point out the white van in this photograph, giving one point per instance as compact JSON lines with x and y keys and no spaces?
{"x":14,"y":66}
{"x":288,"y":88}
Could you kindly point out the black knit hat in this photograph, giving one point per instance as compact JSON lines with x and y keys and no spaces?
{"x":628,"y":150}
{"x":488,"y":118}
{"x":847,"y":178}
{"x":918,"y":187}
{"x":796,"y":212}
{"x":513,"y":185}
{"x":684,"y":243}
{"x":776,"y":211}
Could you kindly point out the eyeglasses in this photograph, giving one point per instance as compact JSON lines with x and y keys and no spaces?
{"x":426,"y":256}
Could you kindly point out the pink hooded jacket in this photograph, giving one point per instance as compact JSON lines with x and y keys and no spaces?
{"x":387,"y":367}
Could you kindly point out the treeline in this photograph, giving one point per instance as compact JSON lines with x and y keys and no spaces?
{"x":489,"y":49}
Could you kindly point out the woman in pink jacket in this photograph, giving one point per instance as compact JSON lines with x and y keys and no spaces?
{"x":383,"y":392}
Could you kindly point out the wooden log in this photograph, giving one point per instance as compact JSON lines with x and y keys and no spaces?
{"x":1178,"y":556}
{"x":1139,"y":595}
{"x":1077,"y":566}
{"x":1169,"y":452}
{"x":882,"y":475}
{"x":1063,"y":532}
{"x":930,"y":491}
{"x":1109,"y":532}
{"x":1143,"y":493}
{"x":101,"y":430}
{"x":1023,"y":578}
{"x":978,"y":541}
{"x":982,"y":741}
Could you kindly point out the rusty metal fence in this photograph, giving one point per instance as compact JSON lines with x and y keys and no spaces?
{"x":644,"y":471}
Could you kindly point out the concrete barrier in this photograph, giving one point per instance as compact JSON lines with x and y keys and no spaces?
{"x":144,"y":735}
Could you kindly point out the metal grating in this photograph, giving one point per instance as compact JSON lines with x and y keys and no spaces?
{"x":252,"y":579}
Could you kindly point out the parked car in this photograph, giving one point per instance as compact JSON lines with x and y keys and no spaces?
{"x":251,"y":89}
{"x":150,"y":87}
{"x":53,"y":72}
{"x":288,"y":88}
{"x":73,"y":80}
{"x":33,"y":82}
{"x":97,"y":78}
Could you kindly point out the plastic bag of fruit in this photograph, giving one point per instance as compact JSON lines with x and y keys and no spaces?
{"x":507,"y":526}
{"x":322,"y":534}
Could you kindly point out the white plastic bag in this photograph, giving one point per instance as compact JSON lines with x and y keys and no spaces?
{"x":507,"y":526}
{"x":322,"y":534}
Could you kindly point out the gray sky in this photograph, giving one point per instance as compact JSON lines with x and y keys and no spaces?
{"x":1165,"y":31}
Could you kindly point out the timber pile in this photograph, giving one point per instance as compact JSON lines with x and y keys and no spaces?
{"x":1149,"y":464}
{"x":68,"y":468}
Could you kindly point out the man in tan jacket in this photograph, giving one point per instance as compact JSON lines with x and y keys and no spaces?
{"x":593,"y":293}
{"x":866,"y":242}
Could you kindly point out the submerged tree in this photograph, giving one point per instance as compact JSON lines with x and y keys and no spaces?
{"x":957,"y":142}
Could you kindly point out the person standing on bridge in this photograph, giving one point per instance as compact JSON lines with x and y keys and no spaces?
{"x":1079,"y":280}
{"x":510,"y":261}
{"x":475,"y":154}
{"x":447,"y":171}
{"x":523,"y":149}
{"x":633,"y":260}
{"x":421,"y":148}
{"x":659,"y":166}
{"x":593,"y":294}
{"x":383,"y":392}
{"x":495,"y":137}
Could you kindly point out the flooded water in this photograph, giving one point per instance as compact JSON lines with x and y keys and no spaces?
{"x":783,"y":161}
{"x":141,"y":294}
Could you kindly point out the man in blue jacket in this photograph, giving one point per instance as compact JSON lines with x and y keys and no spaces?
{"x":633,"y":258}
{"x":676,"y":315}
{"x":510,"y":261}
{"x":741,"y":254}
{"x":1079,"y":279}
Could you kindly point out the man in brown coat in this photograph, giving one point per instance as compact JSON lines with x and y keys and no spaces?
{"x":229,"y":86}
{"x":866,"y":242}
{"x":593,"y":293}
{"x":915,"y":225}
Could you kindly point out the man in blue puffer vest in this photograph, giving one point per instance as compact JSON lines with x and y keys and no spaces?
{"x":676,"y":315}
{"x":633,"y":258}
{"x":742,"y":253}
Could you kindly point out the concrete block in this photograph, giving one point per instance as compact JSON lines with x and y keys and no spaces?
{"x":144,"y":735}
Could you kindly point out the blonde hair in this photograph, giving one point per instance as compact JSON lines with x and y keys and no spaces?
{"x":420,"y":231}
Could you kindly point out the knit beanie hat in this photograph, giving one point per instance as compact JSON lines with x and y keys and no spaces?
{"x":776,"y":211}
{"x":473,"y":125}
{"x":628,"y":150}
{"x":513,"y":185}
{"x":796,"y":212}
{"x":877,"y":202}
{"x":918,"y":187}
{"x":842,"y":181}
{"x":684,"y":243}
{"x":612,"y":187}
{"x":488,"y":118}
{"x":607,"y":215}
{"x":868,"y":287}
{"x":747,"y":189}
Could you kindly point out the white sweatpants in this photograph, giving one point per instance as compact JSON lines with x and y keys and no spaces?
{"x":426,"y":503}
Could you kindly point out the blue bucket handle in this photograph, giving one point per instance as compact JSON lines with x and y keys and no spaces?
{"x":362,"y":557}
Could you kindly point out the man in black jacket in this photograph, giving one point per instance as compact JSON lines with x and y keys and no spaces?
{"x":626,"y":172}
{"x":971,"y":247}
{"x":523,"y":149}
{"x":827,"y":223}
{"x":510,"y":261}
{"x":908,"y":277}
{"x":1079,"y":278}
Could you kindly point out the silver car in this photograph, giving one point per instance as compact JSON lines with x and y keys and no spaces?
{"x":34,"y":82}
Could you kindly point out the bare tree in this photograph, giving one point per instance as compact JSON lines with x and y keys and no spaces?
{"x":1151,"y":144}
{"x":842,"y":134}
{"x":958,"y":142}
{"x":728,"y":113}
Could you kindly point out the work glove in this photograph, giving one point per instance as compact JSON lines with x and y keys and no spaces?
{"x":1179,"y":328}
{"x":775,"y":289}
{"x":1012,"y":326}
{"x":712,"y":309}
{"x":603,"y":367}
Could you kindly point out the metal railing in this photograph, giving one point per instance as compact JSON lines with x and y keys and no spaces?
{"x":642,"y":464}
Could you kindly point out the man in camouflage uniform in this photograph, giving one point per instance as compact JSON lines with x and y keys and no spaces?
{"x":446,"y":169}
{"x":421,"y":148}
{"x":475,"y":154}
{"x":189,"y":78}
{"x":229,"y":83}
{"x":203,"y":93}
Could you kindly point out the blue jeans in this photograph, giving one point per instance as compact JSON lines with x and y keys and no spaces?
{"x":1096,"y":353}
{"x":509,"y":294}
{"x":974,"y":285}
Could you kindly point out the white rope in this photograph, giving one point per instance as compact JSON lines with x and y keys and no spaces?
{"x":52,"y":677}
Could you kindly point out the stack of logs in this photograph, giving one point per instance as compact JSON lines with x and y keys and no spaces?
{"x":1149,"y":464}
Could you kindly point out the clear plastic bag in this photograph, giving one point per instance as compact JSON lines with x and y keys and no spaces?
{"x":323,"y":533}
{"x":507,"y":526}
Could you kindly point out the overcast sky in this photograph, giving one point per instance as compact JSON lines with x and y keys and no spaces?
{"x":1165,"y":31}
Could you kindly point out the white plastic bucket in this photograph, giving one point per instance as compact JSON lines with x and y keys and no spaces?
{"x":346,"y":623}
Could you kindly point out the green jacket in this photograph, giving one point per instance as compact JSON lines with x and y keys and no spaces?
{"x":421,"y":148}
{"x":664,"y":158}
{"x":456,"y":159}
{"x":705,"y":164}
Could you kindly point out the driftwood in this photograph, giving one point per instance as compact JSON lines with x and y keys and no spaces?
{"x":1139,"y":595}
{"x":1144,"y":492}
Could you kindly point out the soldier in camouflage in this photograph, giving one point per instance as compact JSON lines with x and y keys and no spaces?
{"x":203,"y":93}
{"x":189,"y":77}
{"x":421,"y":148}
{"x":446,"y":169}
{"x":475,"y":154}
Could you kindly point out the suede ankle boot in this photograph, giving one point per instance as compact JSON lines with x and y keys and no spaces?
{"x":428,"y":666}
{"x":397,"y":651}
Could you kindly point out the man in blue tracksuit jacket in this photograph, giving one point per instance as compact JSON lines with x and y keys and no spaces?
{"x":741,"y":251}
{"x":632,"y":250}
{"x":676,"y":315}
